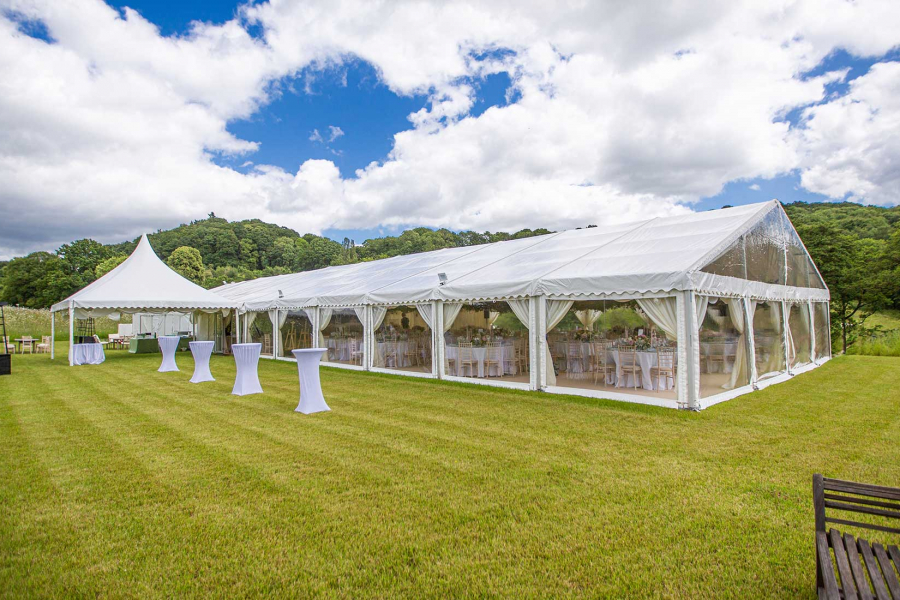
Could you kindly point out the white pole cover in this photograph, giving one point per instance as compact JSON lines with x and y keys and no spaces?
{"x":71,"y":334}
{"x":52,"y":335}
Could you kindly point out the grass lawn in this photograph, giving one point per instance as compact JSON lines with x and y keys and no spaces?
{"x":116,"y":480}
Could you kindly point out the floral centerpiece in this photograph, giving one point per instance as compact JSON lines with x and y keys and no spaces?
{"x":641,"y":342}
{"x":479,"y":339}
{"x":582,"y":335}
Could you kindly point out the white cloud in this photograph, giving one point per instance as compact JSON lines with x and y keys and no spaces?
{"x":851,"y":144}
{"x":755,"y":187}
{"x":622,"y":110}
{"x":336,"y":132}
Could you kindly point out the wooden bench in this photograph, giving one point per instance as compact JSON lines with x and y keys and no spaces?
{"x":865,"y":570}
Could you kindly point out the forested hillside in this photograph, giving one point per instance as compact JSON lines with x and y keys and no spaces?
{"x":856,"y":247}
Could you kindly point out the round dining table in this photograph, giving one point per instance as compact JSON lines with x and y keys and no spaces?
{"x":201,"y":351}
{"x":246,"y":360}
{"x":311,"y":398}
{"x":168,"y":344}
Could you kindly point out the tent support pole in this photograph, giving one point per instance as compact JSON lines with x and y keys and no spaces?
{"x":276,"y":333}
{"x":435,"y":372}
{"x":786,"y":336}
{"x":751,"y":341}
{"x":534,"y":372}
{"x":812,"y":332}
{"x":71,"y":334}
{"x":541,"y":346}
{"x":439,"y":349}
{"x":52,"y":335}
{"x":691,"y":351}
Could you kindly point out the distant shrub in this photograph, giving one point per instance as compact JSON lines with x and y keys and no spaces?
{"x":886,"y":344}
{"x":36,"y":323}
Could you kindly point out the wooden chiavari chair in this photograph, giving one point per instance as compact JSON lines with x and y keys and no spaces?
{"x":665,"y":367}
{"x":467,"y":360}
{"x":493,"y":357}
{"x":628,"y":365}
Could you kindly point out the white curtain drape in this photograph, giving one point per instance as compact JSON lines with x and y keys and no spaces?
{"x":451,"y":311}
{"x":247,"y":323}
{"x":425,"y":313}
{"x":324,"y":319}
{"x":520,"y":309}
{"x":588,"y":317}
{"x":664,"y":313}
{"x":701,"y":304}
{"x":777,"y":353}
{"x":556,"y":311}
{"x":276,"y":327}
{"x":739,"y":371}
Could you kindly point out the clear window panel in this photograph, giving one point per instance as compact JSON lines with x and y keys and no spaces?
{"x":800,"y":338}
{"x":768,"y":336}
{"x":403,"y":342}
{"x":724,"y":363}
{"x":823,"y":334}
{"x":296,"y":333}
{"x":260,"y":328}
{"x":765,"y":250}
{"x":342,"y":336}
{"x":487,"y":340}
{"x":626,"y":347}
{"x":801,"y":270}
{"x":731,"y":263}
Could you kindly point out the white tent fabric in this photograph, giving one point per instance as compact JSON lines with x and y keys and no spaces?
{"x":655,"y":256}
{"x":143,"y":283}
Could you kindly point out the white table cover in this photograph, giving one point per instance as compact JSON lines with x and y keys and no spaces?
{"x":645,"y":360}
{"x":246,"y":359}
{"x":507,"y":351}
{"x":88,"y":354}
{"x":311,"y":398}
{"x":201,"y":351}
{"x":168,"y":344}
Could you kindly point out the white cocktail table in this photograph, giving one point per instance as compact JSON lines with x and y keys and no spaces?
{"x":246,"y":359}
{"x":87,"y":354}
{"x":311,"y":398}
{"x":201,"y":351}
{"x":168,"y":344}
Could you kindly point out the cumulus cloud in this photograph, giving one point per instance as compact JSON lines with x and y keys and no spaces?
{"x":622,"y":110}
{"x":755,"y":187}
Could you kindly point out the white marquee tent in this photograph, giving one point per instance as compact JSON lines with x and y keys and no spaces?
{"x":141,"y":284}
{"x":744,"y":262}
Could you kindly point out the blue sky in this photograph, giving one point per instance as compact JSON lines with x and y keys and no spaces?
{"x":369,"y":114}
{"x":595,"y":123}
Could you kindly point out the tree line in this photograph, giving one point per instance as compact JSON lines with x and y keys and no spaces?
{"x":857,"y":249}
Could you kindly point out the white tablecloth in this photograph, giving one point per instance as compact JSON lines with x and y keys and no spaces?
{"x":168,"y":344}
{"x":507,"y":352}
{"x":339,"y":349}
{"x":88,"y":354}
{"x":201,"y":351}
{"x":246,"y":359}
{"x":311,"y":398}
{"x":580,"y":366}
{"x":646,"y":361}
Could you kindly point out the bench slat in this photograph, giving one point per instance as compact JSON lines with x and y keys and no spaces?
{"x":862,"y":509}
{"x":895,"y":554}
{"x":843,"y":565}
{"x":866,"y":501}
{"x":866,"y":489}
{"x":890,"y":578}
{"x":825,"y":567}
{"x":862,"y":584}
{"x":863,"y":525}
{"x":874,"y":571}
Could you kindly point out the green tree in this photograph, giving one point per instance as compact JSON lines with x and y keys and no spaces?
{"x":854,"y":271}
{"x":188,"y":263}
{"x":109,"y":264}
